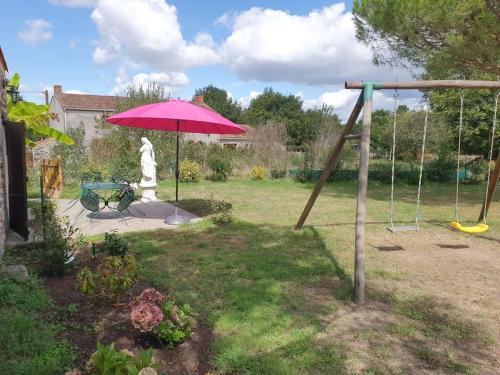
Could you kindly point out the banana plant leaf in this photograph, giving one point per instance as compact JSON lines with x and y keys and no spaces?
{"x":35,"y":117}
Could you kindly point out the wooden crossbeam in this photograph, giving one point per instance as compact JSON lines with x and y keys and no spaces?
{"x":416,"y":85}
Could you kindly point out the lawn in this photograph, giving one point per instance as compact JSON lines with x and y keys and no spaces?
{"x":30,"y":331}
{"x":278,"y":300}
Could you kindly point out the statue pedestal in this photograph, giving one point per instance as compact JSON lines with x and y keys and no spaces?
{"x":148,"y":193}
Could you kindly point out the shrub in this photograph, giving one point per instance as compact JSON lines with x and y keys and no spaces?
{"x":114,"y":245}
{"x":153,"y":312}
{"x":114,"y":277}
{"x":176,"y":324}
{"x":477,"y":171}
{"x":93,"y":173}
{"x":258,"y":173}
{"x":219,"y":162}
{"x":189,"y":171}
{"x":146,"y":316}
{"x":60,"y":239}
{"x":278,"y":173}
{"x":106,"y":360}
{"x":222,"y":210}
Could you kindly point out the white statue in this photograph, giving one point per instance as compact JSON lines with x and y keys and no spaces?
{"x":148,"y":169}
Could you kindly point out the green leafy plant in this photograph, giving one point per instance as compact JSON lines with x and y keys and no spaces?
{"x":93,"y":173}
{"x":223,"y":211}
{"x":278,"y":173}
{"x":176,"y":325}
{"x":114,"y":245}
{"x":35,"y":117}
{"x":60,"y":239}
{"x":258,"y":173}
{"x":189,"y":171}
{"x":106,"y":360}
{"x":219,"y":162}
{"x":115,"y":276}
{"x":154,"y":312}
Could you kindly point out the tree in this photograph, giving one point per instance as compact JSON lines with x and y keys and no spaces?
{"x":35,"y":117}
{"x":436,"y":35}
{"x":277,"y":107}
{"x":221,"y":102}
{"x":126,"y":141}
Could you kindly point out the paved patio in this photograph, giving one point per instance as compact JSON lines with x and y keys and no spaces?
{"x":140,"y":216}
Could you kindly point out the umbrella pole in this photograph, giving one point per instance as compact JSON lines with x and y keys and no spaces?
{"x":177,"y":167}
{"x":176,"y":219}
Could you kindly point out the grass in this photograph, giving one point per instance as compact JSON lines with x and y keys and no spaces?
{"x":279,"y":300}
{"x":29,"y":337}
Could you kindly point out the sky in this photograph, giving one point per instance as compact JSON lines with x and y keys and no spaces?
{"x":304,"y":48}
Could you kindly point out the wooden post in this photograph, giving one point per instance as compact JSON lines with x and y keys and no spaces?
{"x":491,"y":190}
{"x":330,"y":164}
{"x":364,"y":157}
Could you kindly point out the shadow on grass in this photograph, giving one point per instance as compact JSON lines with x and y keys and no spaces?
{"x":432,"y":193}
{"x":271,"y":295}
{"x":198,"y":207}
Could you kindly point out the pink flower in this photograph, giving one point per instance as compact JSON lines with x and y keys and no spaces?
{"x":146,"y":316}
{"x":151,"y":295}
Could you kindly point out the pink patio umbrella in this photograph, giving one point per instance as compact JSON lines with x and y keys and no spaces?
{"x":177,"y":116}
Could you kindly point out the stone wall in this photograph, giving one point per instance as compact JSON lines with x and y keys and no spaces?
{"x":3,"y":166}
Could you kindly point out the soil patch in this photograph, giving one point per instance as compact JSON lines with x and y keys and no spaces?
{"x":89,"y":320}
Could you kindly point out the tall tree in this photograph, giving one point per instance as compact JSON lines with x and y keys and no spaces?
{"x":436,"y":35}
{"x":277,"y":107}
{"x":221,"y":102}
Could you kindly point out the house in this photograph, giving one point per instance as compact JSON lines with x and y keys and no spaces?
{"x":81,"y":111}
{"x":226,"y":140}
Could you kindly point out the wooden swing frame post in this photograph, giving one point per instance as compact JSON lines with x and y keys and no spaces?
{"x":495,"y":176}
{"x":366,"y":97}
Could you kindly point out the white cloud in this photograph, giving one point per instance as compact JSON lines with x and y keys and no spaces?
{"x":75,"y":92}
{"x":147,"y":32}
{"x":343,"y":101}
{"x":319,"y":48}
{"x":35,"y":32}
{"x":74,"y":3}
{"x":245,"y":100}
{"x":173,"y":81}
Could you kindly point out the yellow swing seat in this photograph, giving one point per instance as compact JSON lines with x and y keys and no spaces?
{"x":478,"y":228}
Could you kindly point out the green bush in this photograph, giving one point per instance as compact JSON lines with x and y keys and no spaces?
{"x":258,"y":173}
{"x":106,"y":360}
{"x":115,"y":276}
{"x":176,"y":325}
{"x":222,"y":210}
{"x":189,"y":171}
{"x":114,"y":245}
{"x":219,"y":162}
{"x":60,"y":239}
{"x":93,"y":173}
{"x":477,"y":171}
{"x":278,"y":173}
{"x":443,"y":169}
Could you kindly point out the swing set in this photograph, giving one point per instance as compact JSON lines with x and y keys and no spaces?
{"x":365,"y":102}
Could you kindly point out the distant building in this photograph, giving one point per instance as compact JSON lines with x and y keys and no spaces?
{"x":81,"y":111}
{"x":226,"y":140}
